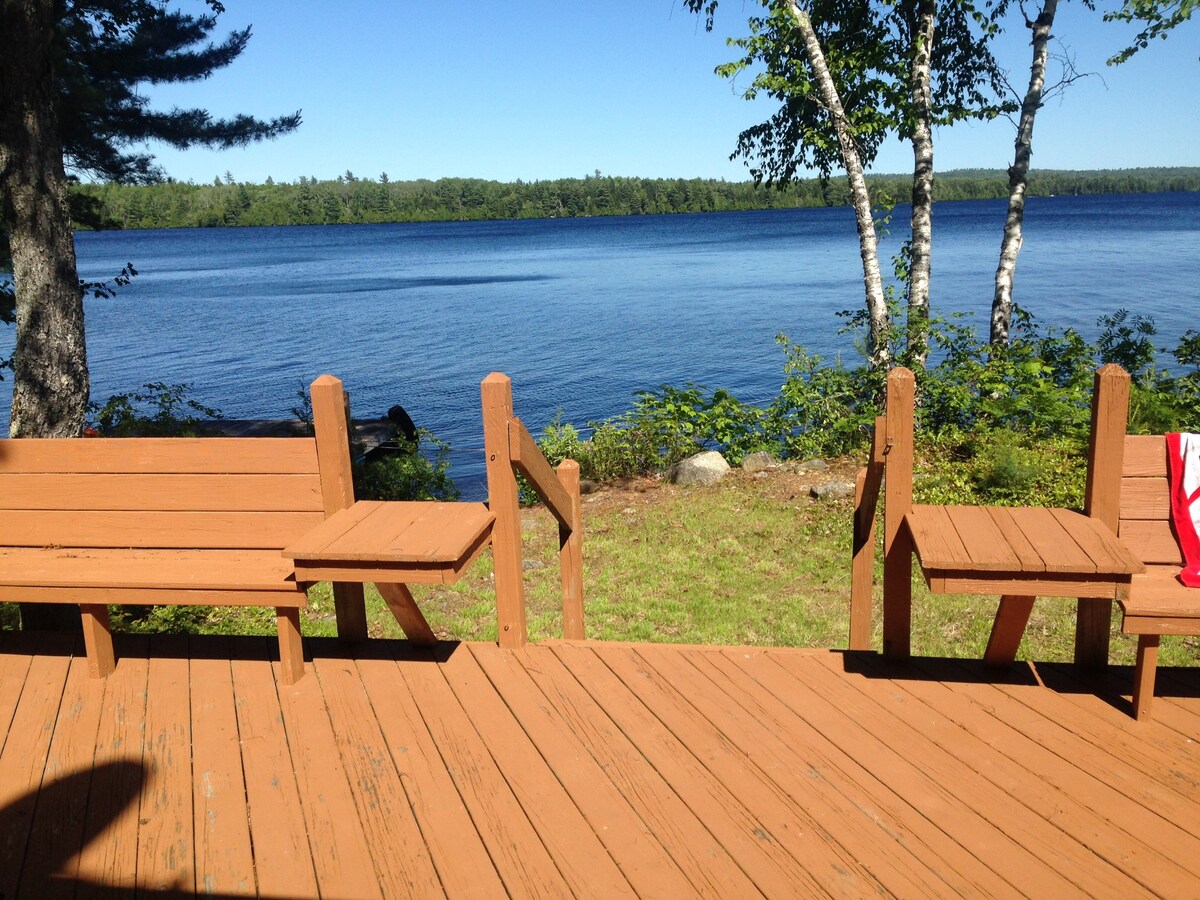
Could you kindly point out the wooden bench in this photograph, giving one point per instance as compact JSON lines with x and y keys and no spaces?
{"x":174,"y":521}
{"x":1130,"y":472}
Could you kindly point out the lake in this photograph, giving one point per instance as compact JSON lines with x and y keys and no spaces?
{"x":580,"y":312}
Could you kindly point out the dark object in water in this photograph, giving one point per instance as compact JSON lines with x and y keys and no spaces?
{"x":402,"y":443}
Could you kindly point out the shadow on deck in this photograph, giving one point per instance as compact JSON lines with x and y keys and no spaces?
{"x":591,"y":769}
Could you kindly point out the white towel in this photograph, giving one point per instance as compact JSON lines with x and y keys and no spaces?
{"x":1183,"y":474}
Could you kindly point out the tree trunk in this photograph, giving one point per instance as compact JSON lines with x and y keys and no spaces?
{"x":921,"y":246}
{"x":868,"y":243}
{"x":50,"y":376}
{"x":1018,"y":175}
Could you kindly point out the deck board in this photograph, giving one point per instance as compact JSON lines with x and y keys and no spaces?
{"x":586,"y":769}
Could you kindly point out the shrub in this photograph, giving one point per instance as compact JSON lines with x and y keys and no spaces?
{"x":155,"y":410}
{"x":408,"y":475}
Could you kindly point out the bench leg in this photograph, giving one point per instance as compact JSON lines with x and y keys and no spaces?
{"x":1011,"y":618}
{"x":400,"y":601}
{"x":291,"y":648}
{"x":1143,"y":675}
{"x":1093,"y":623}
{"x":351,"y":608}
{"x":97,"y":639}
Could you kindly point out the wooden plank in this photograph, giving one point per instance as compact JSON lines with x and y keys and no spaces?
{"x":447,"y":829}
{"x":1051,"y":787}
{"x":1145,"y":498}
{"x":527,"y":456}
{"x":151,"y":596}
{"x":166,"y":846}
{"x":439,"y":572}
{"x":224,"y":856}
{"x":897,"y":596}
{"x":557,"y":783}
{"x":164,"y":456}
{"x":23,"y":761}
{"x":514,"y":845}
{"x":1151,"y":542}
{"x":283,"y":860}
{"x":57,"y":829}
{"x":408,"y":615}
{"x":1104,"y":587}
{"x":935,"y":538}
{"x":1054,"y":543}
{"x":394,"y":842}
{"x":148,"y":529}
{"x":862,"y":567}
{"x":1145,"y":456}
{"x":897,"y":535}
{"x":314,"y":542}
{"x":340,"y":854}
{"x":722,"y":788}
{"x":97,"y":639}
{"x":1143,"y":676}
{"x":1014,"y":536}
{"x":234,"y":570}
{"x":570,"y":554}
{"x":1106,"y":448}
{"x":983,"y":820}
{"x":983,"y":540}
{"x":1160,"y":593}
{"x":451,"y":531}
{"x":16,"y":653}
{"x":850,"y":808}
{"x":266,"y":493}
{"x":1095,"y":539}
{"x":496,"y":394}
{"x":108,"y":860}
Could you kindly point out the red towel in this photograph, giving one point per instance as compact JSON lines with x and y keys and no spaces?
{"x":1183,"y":475}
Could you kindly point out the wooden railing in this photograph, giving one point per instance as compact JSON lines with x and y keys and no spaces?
{"x":862,"y":572}
{"x":511,"y":448}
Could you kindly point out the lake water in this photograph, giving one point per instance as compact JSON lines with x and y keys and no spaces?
{"x":580,"y":312}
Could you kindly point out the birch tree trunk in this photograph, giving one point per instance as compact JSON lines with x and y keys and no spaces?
{"x":921,"y":247}
{"x":50,"y":375}
{"x":868,"y":242}
{"x":1018,"y":175}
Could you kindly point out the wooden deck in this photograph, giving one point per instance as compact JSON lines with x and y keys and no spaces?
{"x":587,"y":769}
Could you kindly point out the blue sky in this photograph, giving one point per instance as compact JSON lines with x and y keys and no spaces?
{"x":547,"y":89}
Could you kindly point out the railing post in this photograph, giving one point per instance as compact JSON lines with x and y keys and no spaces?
{"x":496,"y":392}
{"x":570,"y":554}
{"x":862,"y":569}
{"x":1102,"y":500}
{"x":331,"y":422}
{"x":897,"y":544}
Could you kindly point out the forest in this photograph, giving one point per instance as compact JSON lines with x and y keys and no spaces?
{"x":348,"y":199}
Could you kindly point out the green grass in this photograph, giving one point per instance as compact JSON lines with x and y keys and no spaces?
{"x":748,"y":561}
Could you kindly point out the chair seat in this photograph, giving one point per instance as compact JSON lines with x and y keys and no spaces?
{"x":1160,"y":595}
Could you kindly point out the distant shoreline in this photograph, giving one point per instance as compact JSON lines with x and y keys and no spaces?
{"x":349,"y":200}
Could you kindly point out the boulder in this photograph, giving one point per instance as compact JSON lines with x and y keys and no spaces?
{"x":833,"y":490}
{"x":808,"y":465}
{"x":708,"y":467}
{"x":757,"y":462}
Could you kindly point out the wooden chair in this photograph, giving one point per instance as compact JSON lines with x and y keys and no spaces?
{"x":1129,"y":475}
{"x":1018,"y":553}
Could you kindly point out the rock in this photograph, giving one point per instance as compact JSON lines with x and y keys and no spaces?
{"x":529,"y":564}
{"x":810,"y":465}
{"x":586,"y":486}
{"x":833,"y":490}
{"x":708,"y":467}
{"x":757,"y":462}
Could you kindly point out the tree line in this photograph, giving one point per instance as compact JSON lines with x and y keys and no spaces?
{"x":348,"y":199}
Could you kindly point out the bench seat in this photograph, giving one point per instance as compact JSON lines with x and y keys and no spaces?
{"x":84,"y":571}
{"x":1159,"y":603}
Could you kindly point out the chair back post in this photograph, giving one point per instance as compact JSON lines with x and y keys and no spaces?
{"x":1102,"y":499}
{"x":897,"y":545}
{"x":331,"y":426}
{"x":496,"y":392}
{"x":570,"y":554}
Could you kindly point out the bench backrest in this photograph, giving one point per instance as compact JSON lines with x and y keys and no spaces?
{"x":175,"y":493}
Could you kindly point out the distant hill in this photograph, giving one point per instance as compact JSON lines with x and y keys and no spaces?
{"x":351,"y":200}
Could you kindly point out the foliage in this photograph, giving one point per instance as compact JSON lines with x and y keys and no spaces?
{"x":156,"y":409}
{"x":1158,"y":17}
{"x":412,"y":473}
{"x":312,"y":201}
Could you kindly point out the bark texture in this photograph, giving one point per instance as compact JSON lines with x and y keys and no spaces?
{"x":50,"y":375}
{"x":921,"y":247}
{"x":1018,"y":175}
{"x":868,"y":242}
